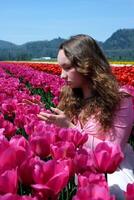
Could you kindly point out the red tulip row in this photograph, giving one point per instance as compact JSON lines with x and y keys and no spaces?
{"x":124,"y":74}
{"x":46,"y":67}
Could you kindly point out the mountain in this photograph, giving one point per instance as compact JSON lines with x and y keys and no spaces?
{"x":43,"y":48}
{"x":29,"y":50}
{"x":121,"y":39}
{"x":6,"y":45}
{"x":120,"y":46}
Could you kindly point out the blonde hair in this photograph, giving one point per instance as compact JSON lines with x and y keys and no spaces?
{"x":88,"y":59}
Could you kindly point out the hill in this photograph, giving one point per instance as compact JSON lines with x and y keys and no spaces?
{"x":120,"y":46}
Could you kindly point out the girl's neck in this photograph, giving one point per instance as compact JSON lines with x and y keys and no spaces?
{"x":87,"y":93}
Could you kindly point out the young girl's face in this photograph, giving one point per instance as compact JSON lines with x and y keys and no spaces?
{"x":74,"y":79}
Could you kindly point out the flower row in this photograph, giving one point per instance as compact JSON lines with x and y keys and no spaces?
{"x":51,"y":68}
{"x":39,"y":160}
{"x":124,"y":73}
{"x":122,"y":62}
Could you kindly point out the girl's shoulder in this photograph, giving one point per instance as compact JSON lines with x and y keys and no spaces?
{"x":125,"y":110}
{"x":127,"y":89}
{"x":127,"y":97}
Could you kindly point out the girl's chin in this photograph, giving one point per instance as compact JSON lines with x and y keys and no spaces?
{"x":71,"y":85}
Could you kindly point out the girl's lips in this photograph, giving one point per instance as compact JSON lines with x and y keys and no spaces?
{"x":68,"y":82}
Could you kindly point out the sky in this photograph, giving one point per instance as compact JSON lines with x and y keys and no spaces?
{"x":22,"y":21}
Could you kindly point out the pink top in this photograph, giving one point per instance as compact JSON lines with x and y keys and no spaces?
{"x":121,"y":128}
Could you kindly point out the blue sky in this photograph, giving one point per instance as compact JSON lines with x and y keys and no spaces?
{"x":31,"y":20}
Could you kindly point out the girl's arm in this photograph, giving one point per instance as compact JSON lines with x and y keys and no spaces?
{"x":120,"y":130}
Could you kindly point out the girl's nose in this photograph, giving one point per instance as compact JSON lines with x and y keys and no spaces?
{"x":63,"y":74}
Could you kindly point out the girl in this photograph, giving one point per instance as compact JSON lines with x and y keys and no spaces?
{"x":92,"y":102}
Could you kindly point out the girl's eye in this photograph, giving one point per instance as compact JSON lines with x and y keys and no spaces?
{"x":68,"y":68}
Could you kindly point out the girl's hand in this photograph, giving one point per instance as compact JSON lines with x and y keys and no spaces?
{"x":34,"y":102}
{"x":58,"y":118}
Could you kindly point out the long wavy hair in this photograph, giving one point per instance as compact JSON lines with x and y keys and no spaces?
{"x":88,"y":59}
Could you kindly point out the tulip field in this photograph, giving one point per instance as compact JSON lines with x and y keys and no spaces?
{"x":40,"y":161}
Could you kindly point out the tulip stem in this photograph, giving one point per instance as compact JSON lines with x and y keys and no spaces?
{"x":106,"y":176}
{"x":20,"y":189}
{"x":67,"y":193}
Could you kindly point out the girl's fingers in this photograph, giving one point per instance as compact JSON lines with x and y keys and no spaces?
{"x":56,"y":110}
{"x":28,"y":101}
{"x":45,"y":114}
{"x":48,"y":118}
{"x":33,"y":103}
{"x":42,"y":117}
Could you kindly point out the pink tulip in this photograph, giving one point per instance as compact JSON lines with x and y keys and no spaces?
{"x":32,"y":109}
{"x":10,"y":129}
{"x":55,"y":100}
{"x":69,"y":163}
{"x":129,"y":194}
{"x":25,"y":114}
{"x":46,"y":88}
{"x":40,"y":146}
{"x":39,"y":128}
{"x":2,"y":131}
{"x":72,"y":135}
{"x":62,"y":150}
{"x":51,"y":178}
{"x":42,"y":128}
{"x":8,"y":182}
{"x":42,"y":137}
{"x":107,"y":157}
{"x":19,"y":141}
{"x":2,"y":97}
{"x":13,"y":153}
{"x":10,"y":196}
{"x":29,"y":126}
{"x":88,"y":178}
{"x":83,"y":161}
{"x":27,"y":198}
{"x":21,"y":148}
{"x":92,"y":186}
{"x":4,"y":144}
{"x":7,"y":156}
{"x":27,"y":169}
{"x":1,"y":119}
{"x":9,"y":106}
{"x":93,"y":192}
{"x":19,"y":120}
